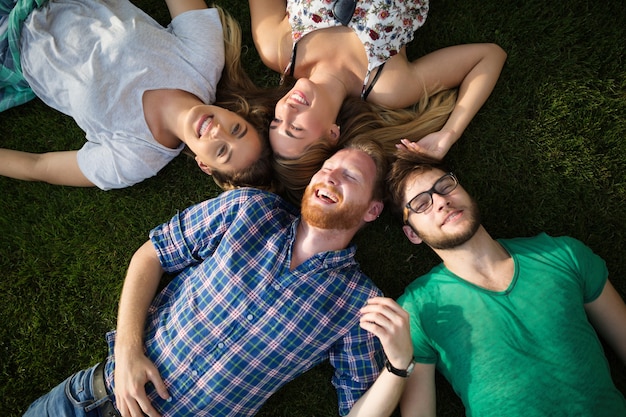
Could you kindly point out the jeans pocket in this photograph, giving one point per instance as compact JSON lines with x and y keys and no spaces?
{"x":78,"y":389}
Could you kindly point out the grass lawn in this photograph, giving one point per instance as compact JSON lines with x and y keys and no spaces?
{"x":546,"y":153}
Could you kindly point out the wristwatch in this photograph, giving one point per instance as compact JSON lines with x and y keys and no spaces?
{"x":400,"y":372}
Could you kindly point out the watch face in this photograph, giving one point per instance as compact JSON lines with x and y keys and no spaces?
{"x":410,"y":368}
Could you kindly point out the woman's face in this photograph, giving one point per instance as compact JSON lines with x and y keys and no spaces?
{"x":221,"y":139}
{"x":303,"y":116}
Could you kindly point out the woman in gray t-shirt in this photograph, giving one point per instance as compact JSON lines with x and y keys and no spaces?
{"x":140,"y":91}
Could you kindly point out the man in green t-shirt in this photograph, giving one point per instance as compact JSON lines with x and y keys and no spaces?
{"x":507,"y":322}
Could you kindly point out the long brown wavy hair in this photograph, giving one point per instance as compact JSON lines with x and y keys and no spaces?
{"x":362,"y":121}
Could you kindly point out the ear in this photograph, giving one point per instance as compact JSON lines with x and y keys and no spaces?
{"x":411,"y":235}
{"x":334,"y":133}
{"x":204,"y":167}
{"x":374,"y":210}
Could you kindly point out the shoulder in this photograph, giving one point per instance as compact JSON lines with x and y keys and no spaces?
{"x":422,"y":285}
{"x":544,"y":243}
{"x":256,"y":200}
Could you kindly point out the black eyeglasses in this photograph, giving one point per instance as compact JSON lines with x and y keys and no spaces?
{"x":424,"y":200}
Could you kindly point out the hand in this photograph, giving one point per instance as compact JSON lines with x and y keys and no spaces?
{"x":132,"y":373}
{"x":390,"y":323}
{"x":435,"y":145}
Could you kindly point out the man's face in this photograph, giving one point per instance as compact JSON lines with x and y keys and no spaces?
{"x":451,"y":220}
{"x":339,"y":195}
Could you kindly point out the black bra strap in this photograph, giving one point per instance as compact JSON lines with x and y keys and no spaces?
{"x":293,"y":60}
{"x":369,"y":88}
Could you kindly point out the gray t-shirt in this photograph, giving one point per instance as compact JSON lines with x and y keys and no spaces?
{"x":94,"y":59}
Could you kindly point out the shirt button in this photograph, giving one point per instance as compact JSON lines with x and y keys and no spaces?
{"x":249,"y":317}
{"x":277,"y":287}
{"x":194,"y":373}
{"x":220,"y":345}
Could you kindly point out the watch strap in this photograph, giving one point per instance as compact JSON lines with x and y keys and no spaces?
{"x":403,"y":373}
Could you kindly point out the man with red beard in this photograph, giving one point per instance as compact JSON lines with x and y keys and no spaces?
{"x":259,"y":295}
{"x":506,"y":321}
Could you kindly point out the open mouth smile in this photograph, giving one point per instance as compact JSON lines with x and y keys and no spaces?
{"x":326,"y":196}
{"x":299,"y":98}
{"x":204,"y":125}
{"x":452,"y":217}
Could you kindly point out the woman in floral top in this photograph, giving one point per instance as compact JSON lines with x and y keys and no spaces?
{"x":344,"y":48}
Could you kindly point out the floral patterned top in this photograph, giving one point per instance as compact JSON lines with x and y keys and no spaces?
{"x":383,"y":26}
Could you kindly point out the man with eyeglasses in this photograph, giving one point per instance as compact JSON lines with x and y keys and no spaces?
{"x":507,"y":322}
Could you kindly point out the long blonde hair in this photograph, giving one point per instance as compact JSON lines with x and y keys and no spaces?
{"x":363,"y":121}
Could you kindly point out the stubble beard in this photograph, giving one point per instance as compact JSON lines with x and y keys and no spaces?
{"x":453,"y":241}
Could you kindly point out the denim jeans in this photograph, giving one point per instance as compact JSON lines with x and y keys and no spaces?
{"x":72,"y":398}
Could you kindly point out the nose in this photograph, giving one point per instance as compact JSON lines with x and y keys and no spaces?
{"x":332,"y":177}
{"x":439,"y":201}
{"x":216,"y":131}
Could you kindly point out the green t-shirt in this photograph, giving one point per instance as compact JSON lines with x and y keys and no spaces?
{"x":527,"y":351}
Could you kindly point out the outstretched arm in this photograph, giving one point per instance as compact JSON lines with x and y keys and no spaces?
{"x":60,"y":168}
{"x":132,"y":368}
{"x":270,"y":26}
{"x":390,"y":323}
{"x":607,"y":313}
{"x":473,"y":68}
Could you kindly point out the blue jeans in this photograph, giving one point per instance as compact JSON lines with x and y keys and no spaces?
{"x":72,"y":398}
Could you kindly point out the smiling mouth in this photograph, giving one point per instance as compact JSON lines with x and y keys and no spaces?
{"x":452,"y":216}
{"x":204,"y":125}
{"x":326,"y":196}
{"x":299,"y":98}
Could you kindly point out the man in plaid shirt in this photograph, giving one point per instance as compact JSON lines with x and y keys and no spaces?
{"x":259,"y":296}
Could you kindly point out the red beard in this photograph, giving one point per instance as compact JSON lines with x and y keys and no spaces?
{"x":339,"y":216}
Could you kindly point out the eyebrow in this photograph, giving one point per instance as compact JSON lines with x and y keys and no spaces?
{"x":243,"y":132}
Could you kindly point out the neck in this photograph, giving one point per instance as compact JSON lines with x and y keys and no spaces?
{"x":339,"y":81}
{"x":348,"y":68}
{"x":165,"y":112}
{"x":311,"y":241}
{"x":481,"y":261}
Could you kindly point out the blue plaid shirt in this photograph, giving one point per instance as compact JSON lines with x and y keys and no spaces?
{"x":236,"y":324}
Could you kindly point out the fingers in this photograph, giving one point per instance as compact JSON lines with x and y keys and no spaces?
{"x":384,"y":317}
{"x":131,"y":378}
{"x":385,"y":306}
{"x":390,"y":323}
{"x":159,"y":385}
{"x":408,"y":145}
{"x":136,"y":405}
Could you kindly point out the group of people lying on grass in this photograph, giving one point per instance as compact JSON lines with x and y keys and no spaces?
{"x":502,"y":320}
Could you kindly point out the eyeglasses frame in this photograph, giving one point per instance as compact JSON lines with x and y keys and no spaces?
{"x":430,"y":192}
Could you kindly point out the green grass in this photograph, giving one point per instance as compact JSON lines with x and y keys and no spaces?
{"x":546,"y":153}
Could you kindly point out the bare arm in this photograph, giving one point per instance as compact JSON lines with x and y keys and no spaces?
{"x":419,"y":399}
{"x":177,"y":7}
{"x":390,"y":323}
{"x":473,"y":68}
{"x":132,"y":368}
{"x":60,"y":168}
{"x":270,"y":27}
{"x":607,"y":313}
